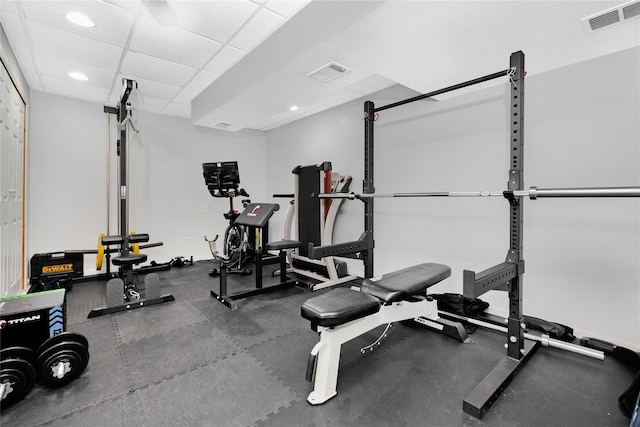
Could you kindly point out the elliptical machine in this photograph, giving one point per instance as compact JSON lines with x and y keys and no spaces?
{"x":223,"y":179}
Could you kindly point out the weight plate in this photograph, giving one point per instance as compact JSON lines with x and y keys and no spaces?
{"x":100,"y":255}
{"x":135,"y":247}
{"x":23,"y":353}
{"x":17,"y":378}
{"x":64,"y":337}
{"x":62,"y":363}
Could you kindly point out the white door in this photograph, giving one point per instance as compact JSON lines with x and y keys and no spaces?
{"x":12,"y":121}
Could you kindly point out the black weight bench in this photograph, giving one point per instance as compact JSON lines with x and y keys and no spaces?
{"x":343,"y":314}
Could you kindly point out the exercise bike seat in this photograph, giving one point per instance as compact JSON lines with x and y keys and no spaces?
{"x":402,"y":284}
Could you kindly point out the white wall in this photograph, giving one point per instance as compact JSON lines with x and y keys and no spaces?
{"x":167,"y":195}
{"x":581,"y":129}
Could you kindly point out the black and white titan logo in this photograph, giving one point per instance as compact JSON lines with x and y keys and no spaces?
{"x":5,"y":323}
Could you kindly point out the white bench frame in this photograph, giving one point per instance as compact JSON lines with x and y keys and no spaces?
{"x":326,"y":353}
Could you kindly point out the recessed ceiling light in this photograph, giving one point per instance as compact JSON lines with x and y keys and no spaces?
{"x":80,"y":19}
{"x":293,"y":108}
{"x":78,"y":76}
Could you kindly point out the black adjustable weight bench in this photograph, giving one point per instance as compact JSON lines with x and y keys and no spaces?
{"x":344,"y":314}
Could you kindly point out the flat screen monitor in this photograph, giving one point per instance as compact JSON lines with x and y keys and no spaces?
{"x":221,"y":175}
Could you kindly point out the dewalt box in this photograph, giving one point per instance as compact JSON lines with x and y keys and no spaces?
{"x":55,"y":270}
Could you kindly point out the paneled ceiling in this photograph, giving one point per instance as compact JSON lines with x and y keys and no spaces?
{"x":239,"y":64}
{"x":173,"y":49}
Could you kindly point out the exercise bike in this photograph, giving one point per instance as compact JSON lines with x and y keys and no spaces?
{"x":222,"y":180}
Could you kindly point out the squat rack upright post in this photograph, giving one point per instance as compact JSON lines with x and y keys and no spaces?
{"x":506,"y":276}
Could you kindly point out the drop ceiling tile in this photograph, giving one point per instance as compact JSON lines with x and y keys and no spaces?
{"x":53,"y":42}
{"x":59,"y":68}
{"x":257,"y":29}
{"x":156,"y":69}
{"x":286,"y":8}
{"x":215,"y":20}
{"x":129,"y":5}
{"x":74,"y":89}
{"x":180,"y":110}
{"x":152,"y":89}
{"x":224,"y":59}
{"x":146,"y":103}
{"x":17,"y":41}
{"x":9,"y":6}
{"x":172,"y":44}
{"x":185,"y":96}
{"x":113,"y":23}
{"x":201,"y":81}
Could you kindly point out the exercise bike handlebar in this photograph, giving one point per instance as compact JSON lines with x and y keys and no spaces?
{"x":230,"y":193}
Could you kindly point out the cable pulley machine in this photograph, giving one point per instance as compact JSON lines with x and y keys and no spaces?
{"x":122,"y":292}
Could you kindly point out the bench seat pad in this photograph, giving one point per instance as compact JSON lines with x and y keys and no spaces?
{"x":339,"y":306}
{"x":130,"y":259}
{"x":279,"y":245}
{"x":402,"y":284}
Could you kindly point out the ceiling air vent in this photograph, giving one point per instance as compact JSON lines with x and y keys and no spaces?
{"x":631,"y":10}
{"x":611,"y":16}
{"x":329,"y":72}
{"x":223,"y":125}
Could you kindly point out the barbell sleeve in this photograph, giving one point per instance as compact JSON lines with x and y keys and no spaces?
{"x":535,"y":193}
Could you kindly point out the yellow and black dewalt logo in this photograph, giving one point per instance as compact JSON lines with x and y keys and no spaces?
{"x":60,"y":268}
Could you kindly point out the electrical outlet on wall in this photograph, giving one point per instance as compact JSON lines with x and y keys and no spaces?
{"x":189,"y":241}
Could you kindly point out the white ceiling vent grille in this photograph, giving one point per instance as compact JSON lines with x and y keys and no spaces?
{"x":329,"y":72}
{"x":631,"y":10}
{"x":223,"y":125}
{"x":611,"y":16}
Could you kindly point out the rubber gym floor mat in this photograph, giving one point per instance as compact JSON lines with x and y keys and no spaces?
{"x":425,"y":403}
{"x":251,"y":327}
{"x":359,"y":389}
{"x":102,"y":380}
{"x":190,"y":291}
{"x":445,"y":360}
{"x":122,"y":411}
{"x":292,"y":297}
{"x":234,"y":391}
{"x":563,"y":388}
{"x":83,"y":298}
{"x":187,"y":283}
{"x":163,"y":356}
{"x":286,"y":356}
{"x":156,"y":320}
